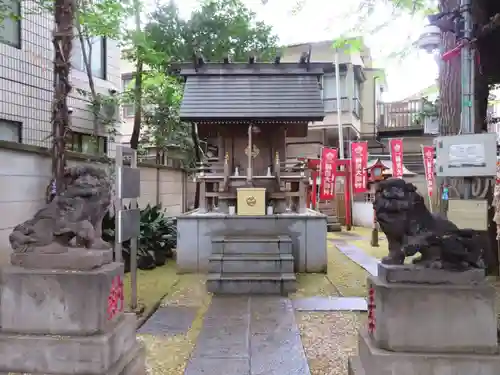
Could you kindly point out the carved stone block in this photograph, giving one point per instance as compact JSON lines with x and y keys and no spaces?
{"x":74,"y":259}
{"x":61,"y":302}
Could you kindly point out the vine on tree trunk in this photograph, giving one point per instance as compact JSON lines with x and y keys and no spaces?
{"x":449,"y":80}
{"x":64,"y":12}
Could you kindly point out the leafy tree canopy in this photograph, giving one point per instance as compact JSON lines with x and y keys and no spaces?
{"x":215,"y":29}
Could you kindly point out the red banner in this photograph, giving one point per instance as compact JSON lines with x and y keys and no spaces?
{"x":396,"y":147}
{"x":328,"y":168}
{"x":428,"y":154}
{"x":359,"y":163}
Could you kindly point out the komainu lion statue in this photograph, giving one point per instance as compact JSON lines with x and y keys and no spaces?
{"x":76,"y":213}
{"x":411,"y":228}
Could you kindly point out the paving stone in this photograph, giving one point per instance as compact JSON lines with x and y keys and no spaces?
{"x":330,"y":304}
{"x":169,"y":320}
{"x":358,"y":256}
{"x":249,"y":336}
{"x":279,"y":353}
{"x":218,"y":366}
{"x":349,"y":235}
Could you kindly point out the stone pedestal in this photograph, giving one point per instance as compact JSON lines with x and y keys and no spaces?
{"x":55,"y":321}
{"x":428,"y":322}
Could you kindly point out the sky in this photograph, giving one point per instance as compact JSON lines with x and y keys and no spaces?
{"x":322,"y":20}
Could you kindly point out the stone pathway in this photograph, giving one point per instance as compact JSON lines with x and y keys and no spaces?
{"x":357,"y":255}
{"x":330,"y":304}
{"x":249,"y":335}
{"x":169,"y":320}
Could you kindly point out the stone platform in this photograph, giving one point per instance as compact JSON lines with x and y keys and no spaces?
{"x":55,"y":321}
{"x":307,"y":232}
{"x":428,"y":322}
{"x":375,"y":361}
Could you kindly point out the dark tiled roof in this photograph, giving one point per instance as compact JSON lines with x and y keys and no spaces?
{"x":260,"y":93}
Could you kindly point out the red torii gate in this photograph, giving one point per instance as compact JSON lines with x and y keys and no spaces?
{"x":343,"y":170}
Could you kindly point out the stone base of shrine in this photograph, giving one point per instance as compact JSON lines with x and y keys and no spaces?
{"x":307,"y":231}
{"x":374,"y":361}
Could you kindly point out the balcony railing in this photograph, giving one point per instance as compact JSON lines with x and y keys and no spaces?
{"x":405,"y":115}
{"x":331,"y":105}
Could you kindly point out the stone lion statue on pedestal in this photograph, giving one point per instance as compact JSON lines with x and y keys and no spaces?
{"x":76,"y":213}
{"x":410,"y":228}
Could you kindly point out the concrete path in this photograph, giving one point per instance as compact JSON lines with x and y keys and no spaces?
{"x":357,"y":255}
{"x":249,"y":336}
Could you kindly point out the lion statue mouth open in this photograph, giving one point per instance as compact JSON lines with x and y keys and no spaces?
{"x":410,"y":229}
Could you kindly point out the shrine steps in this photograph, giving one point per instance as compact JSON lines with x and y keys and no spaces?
{"x":252,"y":264}
{"x":328,"y":209}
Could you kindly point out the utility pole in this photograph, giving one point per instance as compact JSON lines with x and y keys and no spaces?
{"x":339,"y":105}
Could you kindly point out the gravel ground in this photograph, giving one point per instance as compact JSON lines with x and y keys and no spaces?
{"x":329,"y":338}
{"x":169,"y":354}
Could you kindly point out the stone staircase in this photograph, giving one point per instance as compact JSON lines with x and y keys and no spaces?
{"x":328,"y":209}
{"x":253,"y":264}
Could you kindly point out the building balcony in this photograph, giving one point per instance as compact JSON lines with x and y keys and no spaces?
{"x":400,"y":117}
{"x":350,"y":117}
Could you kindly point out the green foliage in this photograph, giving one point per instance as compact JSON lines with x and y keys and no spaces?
{"x":163,"y":129}
{"x":158,"y":235}
{"x":348,"y":45}
{"x":216,"y":29}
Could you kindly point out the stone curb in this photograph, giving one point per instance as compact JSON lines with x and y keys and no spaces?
{"x":149,"y":313}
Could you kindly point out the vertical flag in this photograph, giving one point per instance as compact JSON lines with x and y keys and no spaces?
{"x":328,"y":168}
{"x":359,"y":163}
{"x":396,"y":147}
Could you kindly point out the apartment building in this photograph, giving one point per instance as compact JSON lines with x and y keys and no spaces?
{"x":361,"y":88}
{"x":26,"y":81}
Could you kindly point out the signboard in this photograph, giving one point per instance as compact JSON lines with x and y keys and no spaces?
{"x":466,"y":155}
{"x":328,"y":168}
{"x":396,"y":147}
{"x":428,"y":154}
{"x":359,"y":163}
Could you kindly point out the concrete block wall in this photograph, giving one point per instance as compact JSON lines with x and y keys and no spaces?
{"x":26,"y":79}
{"x":24,"y":176}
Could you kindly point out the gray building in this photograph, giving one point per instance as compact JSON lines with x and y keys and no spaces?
{"x":26,"y":80}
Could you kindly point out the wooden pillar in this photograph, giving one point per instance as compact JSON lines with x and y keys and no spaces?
{"x":203,"y":198}
{"x":250,"y":149}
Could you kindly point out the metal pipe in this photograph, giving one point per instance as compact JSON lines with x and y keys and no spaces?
{"x":339,"y":105}
{"x":467,"y":70}
{"x":133,"y":248}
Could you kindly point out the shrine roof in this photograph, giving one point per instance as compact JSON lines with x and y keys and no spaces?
{"x":257,"y":91}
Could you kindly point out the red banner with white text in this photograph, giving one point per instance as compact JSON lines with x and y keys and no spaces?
{"x":359,"y":163}
{"x":428,"y":154}
{"x":396,"y":147}
{"x":328,"y":168}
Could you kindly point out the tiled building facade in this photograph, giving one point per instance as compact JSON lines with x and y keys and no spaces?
{"x":26,"y":80}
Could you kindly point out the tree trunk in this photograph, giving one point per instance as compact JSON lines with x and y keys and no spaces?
{"x":449,"y":80}
{"x":136,"y":131}
{"x":64,"y":12}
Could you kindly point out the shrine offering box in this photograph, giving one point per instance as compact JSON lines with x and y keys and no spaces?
{"x":251,"y":201}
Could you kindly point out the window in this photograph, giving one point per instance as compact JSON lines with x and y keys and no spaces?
{"x":10,"y":131}
{"x":128,"y":109}
{"x":10,"y":27}
{"x":97,"y":54}
{"x":88,"y":144}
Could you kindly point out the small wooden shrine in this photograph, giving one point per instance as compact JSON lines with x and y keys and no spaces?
{"x":245,"y":111}
{"x":252,"y":230}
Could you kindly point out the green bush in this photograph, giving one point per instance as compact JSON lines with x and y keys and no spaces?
{"x":156,"y":241}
